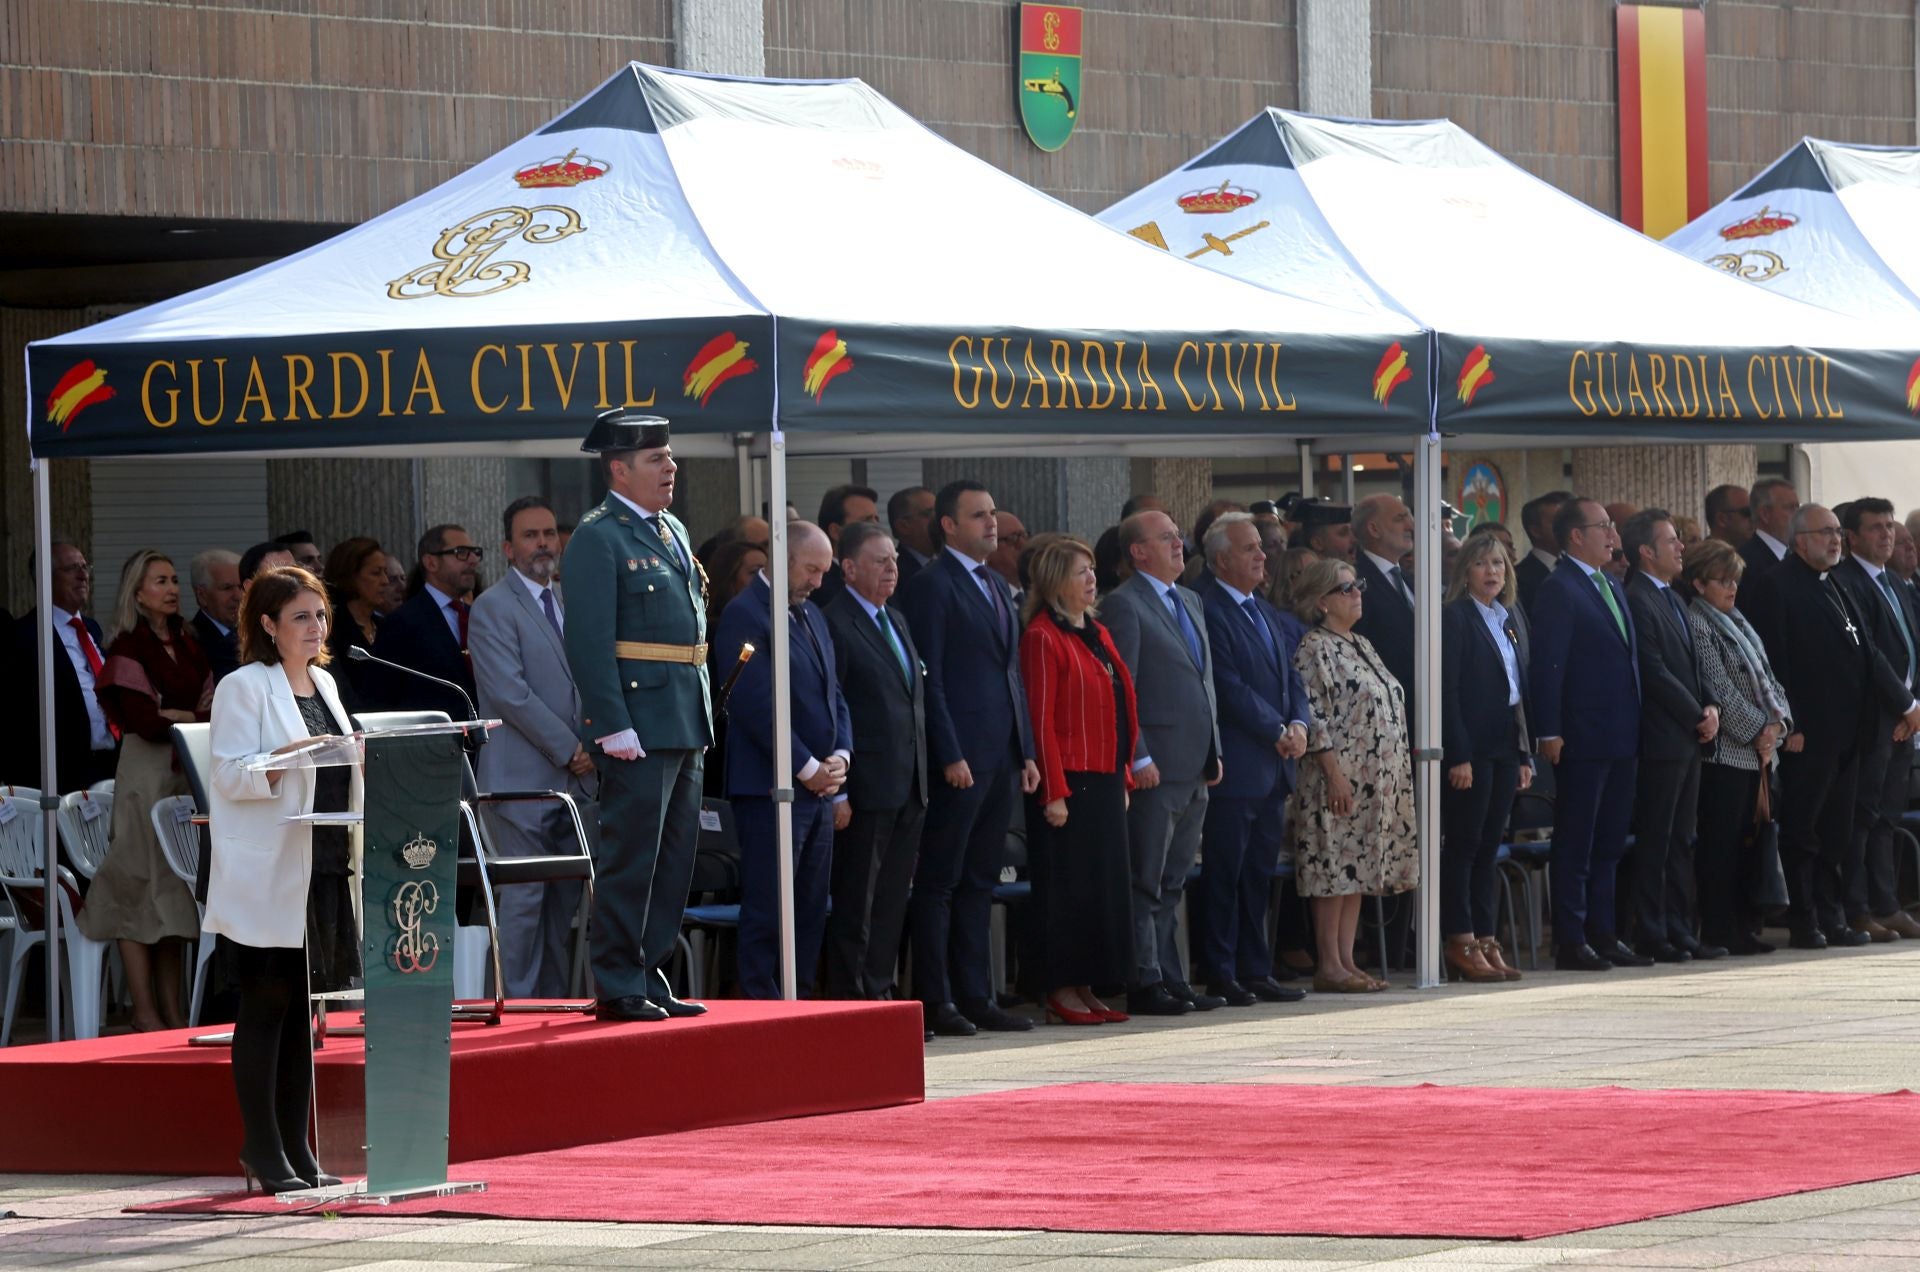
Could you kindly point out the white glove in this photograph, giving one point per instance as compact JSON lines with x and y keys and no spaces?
{"x":624,"y":745}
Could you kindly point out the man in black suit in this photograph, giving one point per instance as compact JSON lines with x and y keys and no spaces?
{"x":962,"y":618}
{"x":879,"y":815}
{"x":1676,"y":718}
{"x":1730,"y":515}
{"x":1772,"y":503}
{"x":217,"y":590}
{"x":429,"y":632}
{"x":1383,"y":528}
{"x":1891,"y":618}
{"x":1824,"y":658}
{"x":841,"y":507}
{"x":306,"y":552}
{"x":86,"y":748}
{"x":1536,"y":518}
{"x":263,"y":556}
{"x":910,"y":513}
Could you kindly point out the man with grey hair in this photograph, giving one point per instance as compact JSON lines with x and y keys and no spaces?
{"x":217,"y":590}
{"x":1263,"y":727}
{"x":1160,"y":630}
{"x":1773,"y":501}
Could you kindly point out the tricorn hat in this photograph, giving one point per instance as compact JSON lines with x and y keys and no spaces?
{"x":1314,"y":512}
{"x":623,"y":430}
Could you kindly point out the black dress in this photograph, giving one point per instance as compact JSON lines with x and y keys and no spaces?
{"x":333,"y":939}
{"x":1082,"y":873}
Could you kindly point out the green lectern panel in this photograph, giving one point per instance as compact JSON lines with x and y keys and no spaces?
{"x":412,"y":843}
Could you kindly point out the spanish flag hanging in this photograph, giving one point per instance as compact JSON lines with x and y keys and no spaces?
{"x":1663,"y":116}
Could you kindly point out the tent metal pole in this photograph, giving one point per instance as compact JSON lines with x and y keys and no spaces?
{"x":1346,"y":479}
{"x":49,"y":749}
{"x":782,"y":709}
{"x":1426,"y":721}
{"x":1306,"y":469}
{"x":743,"y":461}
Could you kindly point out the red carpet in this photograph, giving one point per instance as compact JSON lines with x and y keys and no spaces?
{"x":151,"y":1104}
{"x":1344,"y":1161}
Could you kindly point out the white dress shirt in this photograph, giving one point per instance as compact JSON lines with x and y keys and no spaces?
{"x":1387,"y":569}
{"x":1495,"y":617}
{"x":447,"y":612}
{"x":1774,"y":545}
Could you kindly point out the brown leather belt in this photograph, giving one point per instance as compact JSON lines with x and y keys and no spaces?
{"x":647,"y":651}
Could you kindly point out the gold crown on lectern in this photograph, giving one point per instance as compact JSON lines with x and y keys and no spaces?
{"x":418,"y":852}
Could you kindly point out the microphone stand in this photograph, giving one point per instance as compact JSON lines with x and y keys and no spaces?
{"x":726,"y":690}
{"x":475,"y":738}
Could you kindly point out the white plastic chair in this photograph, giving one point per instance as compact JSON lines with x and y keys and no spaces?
{"x":102,"y":788}
{"x":83,"y":822}
{"x":23,"y":872}
{"x":179,"y":838}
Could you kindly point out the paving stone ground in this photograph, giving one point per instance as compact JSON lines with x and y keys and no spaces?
{"x":1844,"y":1020}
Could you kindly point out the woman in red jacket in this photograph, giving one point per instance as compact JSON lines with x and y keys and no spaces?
{"x":1080,"y":697}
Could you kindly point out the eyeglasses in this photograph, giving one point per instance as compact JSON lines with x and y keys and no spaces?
{"x":466,"y":552}
{"x":1595,"y":525}
{"x":1352,"y":587}
{"x":1825,"y":532}
{"x":81,"y":568}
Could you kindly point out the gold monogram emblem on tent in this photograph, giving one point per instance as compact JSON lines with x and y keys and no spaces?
{"x":463,"y":264}
{"x":1755,"y":266}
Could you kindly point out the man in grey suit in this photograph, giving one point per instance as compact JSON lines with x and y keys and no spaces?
{"x":520,"y":668}
{"x":1161,"y":633}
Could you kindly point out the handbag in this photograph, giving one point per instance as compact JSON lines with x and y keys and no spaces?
{"x":1768,"y":879}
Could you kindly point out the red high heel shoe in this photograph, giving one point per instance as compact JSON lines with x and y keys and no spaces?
{"x":1109,"y":1015}
{"x":1056,"y":1010}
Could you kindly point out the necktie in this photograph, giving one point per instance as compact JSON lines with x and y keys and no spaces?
{"x":460,"y":616}
{"x":1260,"y":625}
{"x":553,"y":611}
{"x":993,"y":595}
{"x":800,"y":620}
{"x":94,"y":661}
{"x":665,"y":531}
{"x":893,"y":641}
{"x":1900,"y":620}
{"x":1613,"y":606}
{"x":1184,"y":621}
{"x":1399,"y":578}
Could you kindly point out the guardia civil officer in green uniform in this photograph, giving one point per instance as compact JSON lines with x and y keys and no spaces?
{"x":636,"y":639}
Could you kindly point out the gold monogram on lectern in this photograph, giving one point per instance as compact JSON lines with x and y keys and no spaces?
{"x":462,"y":264}
{"x":410,"y":949}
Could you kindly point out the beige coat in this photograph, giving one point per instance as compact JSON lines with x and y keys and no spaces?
{"x":257,"y":884}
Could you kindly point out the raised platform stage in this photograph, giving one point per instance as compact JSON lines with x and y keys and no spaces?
{"x":152,"y":1104}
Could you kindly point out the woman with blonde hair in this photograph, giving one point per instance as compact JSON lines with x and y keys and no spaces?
{"x":155,"y":676}
{"x":1351,"y":817}
{"x":1483,"y":722}
{"x":1080,"y":698}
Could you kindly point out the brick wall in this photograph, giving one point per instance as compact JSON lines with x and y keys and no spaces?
{"x":1160,"y":85}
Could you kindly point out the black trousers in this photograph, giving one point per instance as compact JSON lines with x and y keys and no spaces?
{"x":1817,"y":788}
{"x":1880,"y":801}
{"x":1082,"y":886}
{"x":1472,"y":824}
{"x":649,"y":827}
{"x":873,"y":861}
{"x":952,"y":906}
{"x":1723,"y":876}
{"x":1665,"y":806}
{"x":273,"y":1059}
{"x":1592,"y":809}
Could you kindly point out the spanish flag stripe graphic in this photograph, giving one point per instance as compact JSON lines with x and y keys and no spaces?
{"x":1391,"y":374}
{"x":820,"y":369}
{"x":1913,"y":387}
{"x":1663,"y":116}
{"x":712,"y":349}
{"x":705,"y":373}
{"x":75,"y":374}
{"x":744,"y":367}
{"x":78,"y":396}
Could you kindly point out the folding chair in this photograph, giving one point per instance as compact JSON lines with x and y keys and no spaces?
{"x":484,"y":869}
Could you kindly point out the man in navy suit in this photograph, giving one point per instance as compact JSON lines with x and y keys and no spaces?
{"x":1263,"y":728}
{"x":1586,"y":699}
{"x":962,"y":618}
{"x":1383,"y":528}
{"x":822,"y":751}
{"x":86,"y":749}
{"x":1536,"y":517}
{"x":910,"y":513}
{"x":429,"y":632}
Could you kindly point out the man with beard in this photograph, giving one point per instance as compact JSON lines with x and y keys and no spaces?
{"x":429,"y":633}
{"x":515,"y":634}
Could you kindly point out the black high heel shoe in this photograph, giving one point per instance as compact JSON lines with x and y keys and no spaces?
{"x":270,"y":1184}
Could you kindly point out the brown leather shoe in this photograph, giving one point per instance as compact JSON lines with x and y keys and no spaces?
{"x":1466,"y":962}
{"x":1873,"y":929}
{"x":1497,"y":958}
{"x":1901,"y":924}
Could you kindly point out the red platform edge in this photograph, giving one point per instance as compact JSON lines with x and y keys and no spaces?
{"x":152,"y":1104}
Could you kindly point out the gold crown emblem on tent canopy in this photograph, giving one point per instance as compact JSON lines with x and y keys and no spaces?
{"x":1226,"y":197}
{"x":1760,"y":224}
{"x":562,"y":171}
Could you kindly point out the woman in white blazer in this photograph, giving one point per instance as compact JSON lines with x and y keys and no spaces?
{"x":262,"y":884}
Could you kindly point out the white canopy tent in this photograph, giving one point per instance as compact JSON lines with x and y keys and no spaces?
{"x":743,"y":256}
{"x":1552,"y":324}
{"x":1833,"y":225}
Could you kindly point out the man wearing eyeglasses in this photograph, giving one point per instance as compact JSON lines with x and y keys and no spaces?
{"x":1822,"y":649}
{"x":429,"y":632}
{"x":1585,"y":681}
{"x":86,"y":747}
